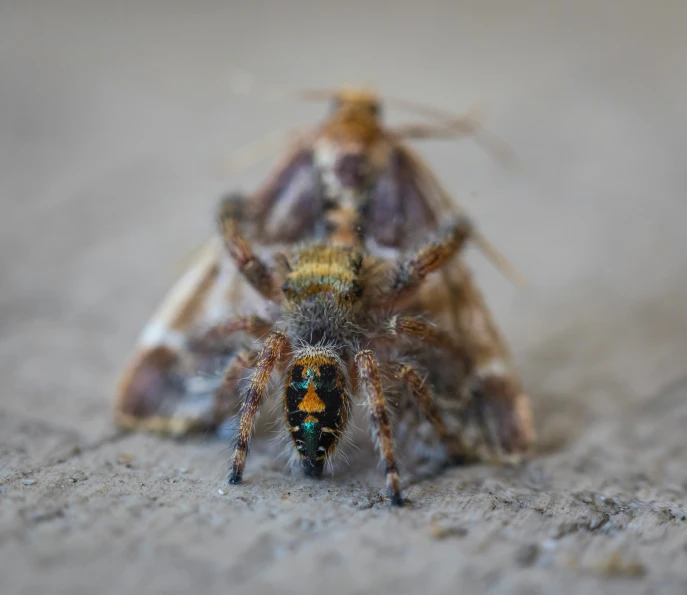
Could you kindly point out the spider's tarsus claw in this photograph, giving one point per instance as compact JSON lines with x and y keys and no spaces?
{"x":235,"y":479}
{"x":397,"y":500}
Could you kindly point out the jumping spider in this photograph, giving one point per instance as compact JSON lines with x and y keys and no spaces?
{"x":337,"y":321}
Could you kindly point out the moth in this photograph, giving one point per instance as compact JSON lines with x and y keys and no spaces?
{"x":350,"y":182}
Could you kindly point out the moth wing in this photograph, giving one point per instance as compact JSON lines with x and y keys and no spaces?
{"x":152,"y":393}
{"x":404,"y":205}
{"x":289,"y":204}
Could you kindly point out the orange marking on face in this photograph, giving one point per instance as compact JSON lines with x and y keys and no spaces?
{"x":311,"y":403}
{"x":318,"y":288}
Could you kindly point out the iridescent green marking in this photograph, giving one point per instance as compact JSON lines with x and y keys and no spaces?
{"x":310,"y":376}
{"x":311,"y":435}
{"x":314,"y":404}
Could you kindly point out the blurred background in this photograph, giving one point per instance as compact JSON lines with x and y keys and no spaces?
{"x":114,"y":116}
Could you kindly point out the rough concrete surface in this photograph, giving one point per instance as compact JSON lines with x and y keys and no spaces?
{"x":113,"y":116}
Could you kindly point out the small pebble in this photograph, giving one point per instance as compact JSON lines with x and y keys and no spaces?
{"x":445,"y":532}
{"x":125,"y":459}
{"x":617,"y":566}
{"x":28,"y":482}
{"x":527,"y":555}
{"x":221,"y":492}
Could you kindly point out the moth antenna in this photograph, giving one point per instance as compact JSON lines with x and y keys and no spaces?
{"x":420,"y":108}
{"x":208,"y":247}
{"x":243,"y":83}
{"x":452,"y":126}
{"x":495,"y":146}
{"x":316,"y":94}
{"x":499,"y":260}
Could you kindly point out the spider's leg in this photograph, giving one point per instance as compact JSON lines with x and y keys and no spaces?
{"x":211,"y":338}
{"x":370,"y":383}
{"x":275,"y":345}
{"x":425,"y":401}
{"x":410,"y":273}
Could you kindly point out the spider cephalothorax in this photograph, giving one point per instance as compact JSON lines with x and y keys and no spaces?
{"x":323,"y":294}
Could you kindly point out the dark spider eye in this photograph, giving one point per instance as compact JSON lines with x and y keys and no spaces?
{"x":286,"y":287}
{"x":356,"y":289}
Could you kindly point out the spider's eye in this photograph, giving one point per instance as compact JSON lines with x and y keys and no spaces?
{"x":286,"y":287}
{"x":354,"y":292}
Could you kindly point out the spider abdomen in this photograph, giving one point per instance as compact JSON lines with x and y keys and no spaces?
{"x":315,"y":405}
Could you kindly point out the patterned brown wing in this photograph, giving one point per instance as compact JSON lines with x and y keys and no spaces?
{"x":288,"y":205}
{"x":404,"y":205}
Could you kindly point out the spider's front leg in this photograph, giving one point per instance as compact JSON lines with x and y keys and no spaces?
{"x":368,"y":376}
{"x":411,"y":273}
{"x":225,"y":396}
{"x":401,"y":326}
{"x":275,"y":345}
{"x":468,"y":124}
{"x":256,"y":272}
{"x":210,"y":341}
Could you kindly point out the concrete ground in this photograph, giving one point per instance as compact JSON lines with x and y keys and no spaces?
{"x":113,"y":116}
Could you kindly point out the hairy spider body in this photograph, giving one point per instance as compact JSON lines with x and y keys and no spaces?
{"x":323,"y":293}
{"x":333,"y":300}
{"x":322,"y":305}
